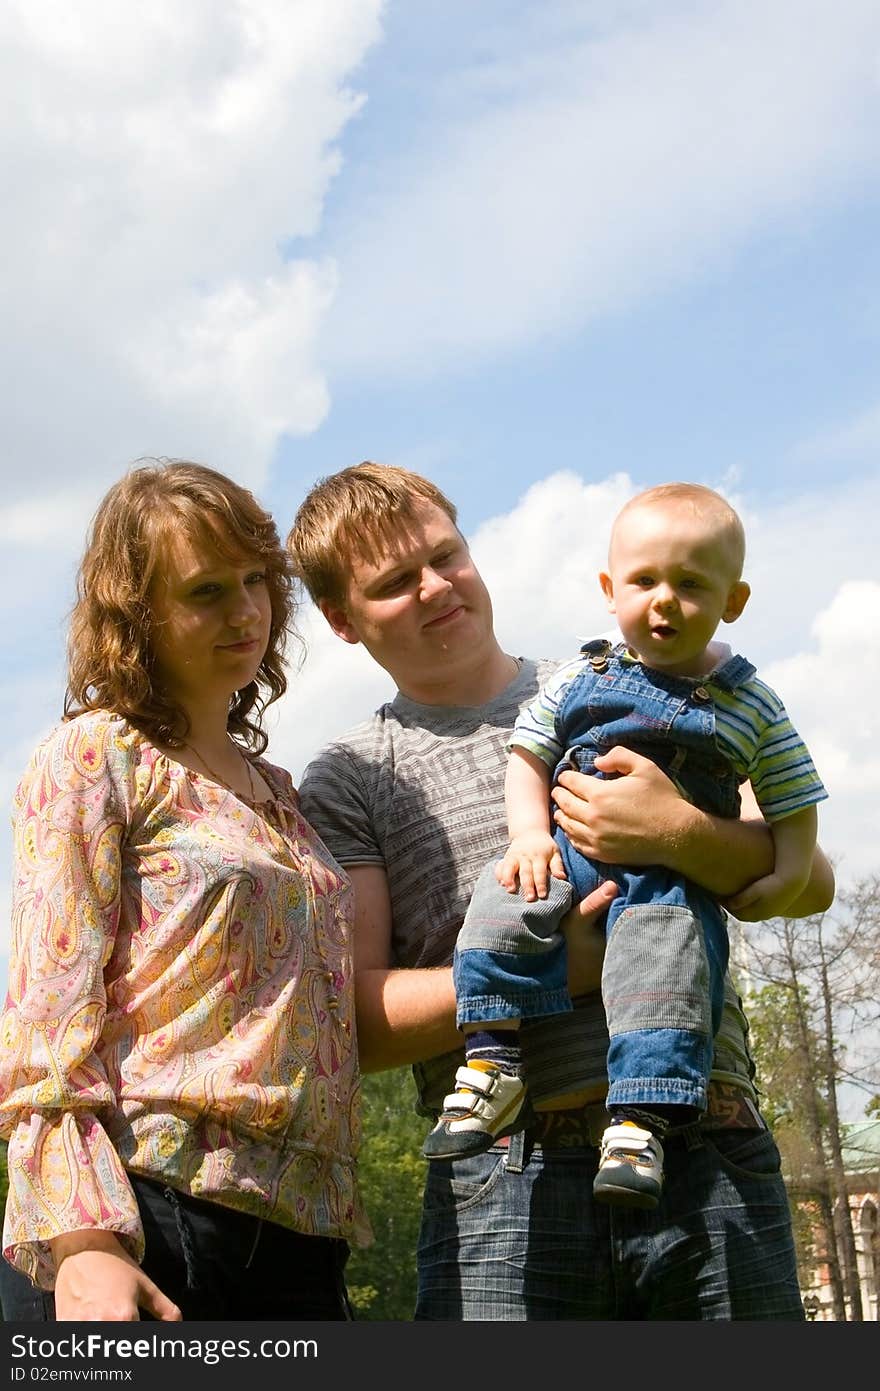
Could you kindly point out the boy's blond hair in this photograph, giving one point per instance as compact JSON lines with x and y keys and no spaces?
{"x":352,"y":514}
{"x":701,"y":502}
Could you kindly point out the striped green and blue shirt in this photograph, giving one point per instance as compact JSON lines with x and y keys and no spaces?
{"x":752,"y":730}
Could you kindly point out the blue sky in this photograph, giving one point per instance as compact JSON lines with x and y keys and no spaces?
{"x":547,"y":254}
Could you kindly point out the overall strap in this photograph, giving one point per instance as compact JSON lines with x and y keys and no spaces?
{"x":598,"y":653}
{"x":732,"y":673}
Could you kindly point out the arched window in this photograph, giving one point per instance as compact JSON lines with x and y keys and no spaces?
{"x":868,"y":1257}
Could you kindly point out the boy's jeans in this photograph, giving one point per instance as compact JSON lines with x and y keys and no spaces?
{"x":662,"y":980}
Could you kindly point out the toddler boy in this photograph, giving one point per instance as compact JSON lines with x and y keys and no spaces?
{"x":672,"y":692}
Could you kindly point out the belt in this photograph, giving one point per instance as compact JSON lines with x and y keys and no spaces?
{"x":727,"y":1108}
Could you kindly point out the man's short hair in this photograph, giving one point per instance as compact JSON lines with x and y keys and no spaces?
{"x":355,"y":514}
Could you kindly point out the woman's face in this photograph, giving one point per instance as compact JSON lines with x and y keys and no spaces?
{"x":211,"y":620}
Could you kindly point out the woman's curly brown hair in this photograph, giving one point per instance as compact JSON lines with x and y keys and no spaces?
{"x":110,"y":662}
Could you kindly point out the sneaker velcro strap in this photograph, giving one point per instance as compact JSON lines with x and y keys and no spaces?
{"x":628,"y":1137}
{"x":460,"y":1104}
{"x":473,"y":1090}
{"x":471,"y":1080}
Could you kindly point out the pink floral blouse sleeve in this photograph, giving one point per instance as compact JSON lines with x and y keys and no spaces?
{"x":65,"y":1174}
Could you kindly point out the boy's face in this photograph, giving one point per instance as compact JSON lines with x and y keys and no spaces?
{"x":671,"y":580}
{"x":420,"y":609}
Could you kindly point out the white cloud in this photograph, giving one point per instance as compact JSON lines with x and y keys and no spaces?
{"x":337,"y":686}
{"x":162,"y":157}
{"x":829,"y":690}
{"x":602,"y":165}
{"x":856,"y":439}
{"x":549,"y":601}
{"x":43,"y":520}
{"x":243,"y":350}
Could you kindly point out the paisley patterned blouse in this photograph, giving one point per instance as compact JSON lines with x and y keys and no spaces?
{"x":180,"y":999}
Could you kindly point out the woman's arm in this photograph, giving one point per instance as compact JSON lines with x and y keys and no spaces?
{"x":69,"y":819}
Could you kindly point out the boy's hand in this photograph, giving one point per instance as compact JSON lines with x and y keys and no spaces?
{"x":529,"y":858}
{"x":765,"y":898}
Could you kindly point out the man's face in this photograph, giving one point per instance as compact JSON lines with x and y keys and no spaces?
{"x":420,"y":608}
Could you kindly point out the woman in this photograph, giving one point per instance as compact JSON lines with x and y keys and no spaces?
{"x":178,"y":1078}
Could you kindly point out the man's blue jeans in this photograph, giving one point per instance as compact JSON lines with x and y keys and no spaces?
{"x":500,"y":1244}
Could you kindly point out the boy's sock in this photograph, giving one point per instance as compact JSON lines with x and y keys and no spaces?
{"x":658,"y":1119}
{"x":498,"y":1046}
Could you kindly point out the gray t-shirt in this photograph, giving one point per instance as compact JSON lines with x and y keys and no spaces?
{"x":420,"y":790}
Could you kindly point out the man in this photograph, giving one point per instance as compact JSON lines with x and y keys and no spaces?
{"x":411,"y":802}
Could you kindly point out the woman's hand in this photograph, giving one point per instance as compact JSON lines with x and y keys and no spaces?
{"x":97,"y":1281}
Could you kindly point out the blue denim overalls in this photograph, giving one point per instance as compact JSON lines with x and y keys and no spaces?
{"x":667,"y":947}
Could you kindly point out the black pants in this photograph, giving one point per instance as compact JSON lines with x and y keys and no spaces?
{"x":215,"y":1264}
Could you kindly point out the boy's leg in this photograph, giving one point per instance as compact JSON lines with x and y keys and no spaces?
{"x":509,"y":964}
{"x":510,"y":960}
{"x":662,"y":988}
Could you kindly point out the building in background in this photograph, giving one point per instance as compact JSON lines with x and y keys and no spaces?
{"x":861,"y":1155}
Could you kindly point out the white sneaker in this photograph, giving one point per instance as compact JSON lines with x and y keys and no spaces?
{"x":486,"y":1105}
{"x":630,"y":1167}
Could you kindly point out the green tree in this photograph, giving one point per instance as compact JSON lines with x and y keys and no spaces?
{"x":785,"y":1050}
{"x":820,"y":978}
{"x":382,"y":1278}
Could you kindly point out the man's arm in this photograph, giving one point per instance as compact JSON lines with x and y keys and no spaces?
{"x":605,"y":819}
{"x":403,"y":1016}
{"x":408,"y":1015}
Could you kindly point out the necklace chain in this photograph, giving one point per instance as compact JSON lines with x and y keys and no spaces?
{"x":216,"y":776}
